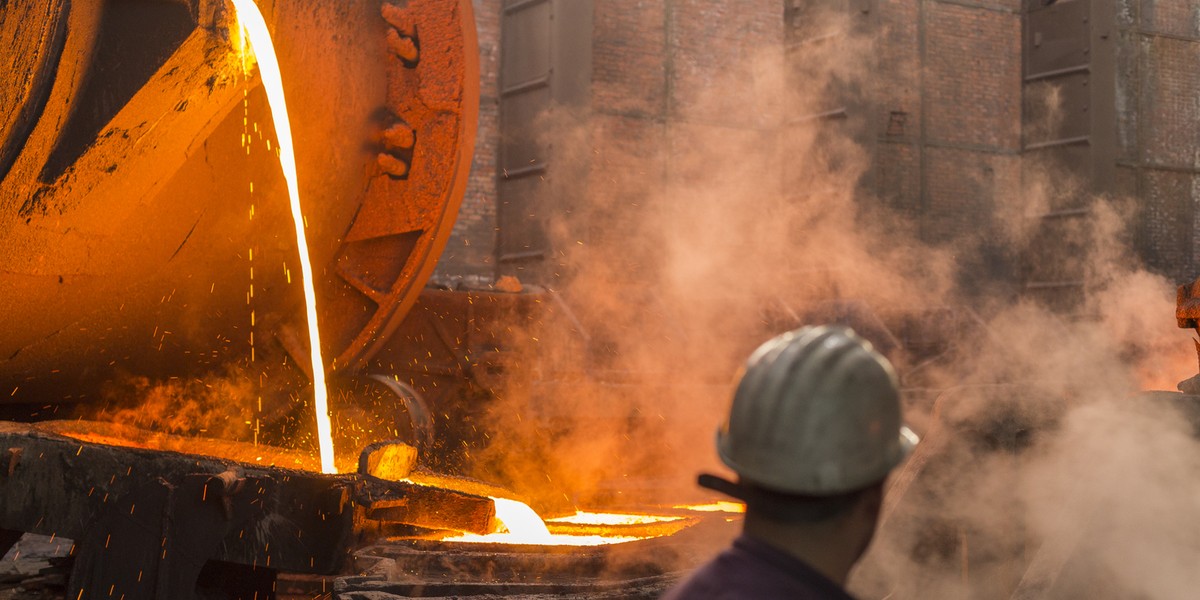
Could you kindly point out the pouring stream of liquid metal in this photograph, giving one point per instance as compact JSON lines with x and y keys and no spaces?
{"x":254,"y":28}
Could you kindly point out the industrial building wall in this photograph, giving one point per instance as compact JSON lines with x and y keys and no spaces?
{"x":469,"y":254}
{"x":650,"y":61}
{"x":947,"y":113}
{"x":983,"y":114}
{"x":943,"y":122}
{"x":1158,"y":92}
{"x":948,"y":120}
{"x":960,"y":61}
{"x":674,"y":86}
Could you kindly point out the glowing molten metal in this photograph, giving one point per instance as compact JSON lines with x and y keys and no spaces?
{"x":254,"y":29}
{"x":594,"y":518}
{"x":719,"y":506}
{"x":519,"y":524}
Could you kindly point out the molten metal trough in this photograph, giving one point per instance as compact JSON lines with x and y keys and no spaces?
{"x":152,"y":515}
{"x":658,"y":545}
{"x":147,"y":520}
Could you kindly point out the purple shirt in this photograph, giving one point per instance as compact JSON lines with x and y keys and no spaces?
{"x":754,"y":569}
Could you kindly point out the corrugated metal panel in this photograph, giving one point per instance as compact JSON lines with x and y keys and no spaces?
{"x":1056,"y":38}
{"x":525,"y":72}
{"x":545,"y":71}
{"x":817,"y":34}
{"x":1056,"y":138}
{"x":1068,"y":110}
{"x":1056,"y":91}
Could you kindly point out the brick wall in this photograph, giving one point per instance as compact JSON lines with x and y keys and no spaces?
{"x":970,"y":132}
{"x":659,"y":73}
{"x":1171,"y":17}
{"x":1169,"y":80}
{"x":630,"y":89}
{"x":654,"y":62}
{"x":944,"y":129}
{"x":944,"y":118}
{"x":1159,"y":93}
{"x":629,"y":72}
{"x":471,"y":249}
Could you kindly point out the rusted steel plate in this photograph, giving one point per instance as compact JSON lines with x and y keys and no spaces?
{"x":35,"y":32}
{"x":59,"y":238}
{"x":420,"y":176}
{"x":164,"y":222}
{"x":146,"y":517}
{"x":1187,"y":305}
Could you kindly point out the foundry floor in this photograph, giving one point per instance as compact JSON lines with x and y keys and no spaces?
{"x":29,"y":570}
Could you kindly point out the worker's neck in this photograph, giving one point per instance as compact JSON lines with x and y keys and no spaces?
{"x":831,"y":548}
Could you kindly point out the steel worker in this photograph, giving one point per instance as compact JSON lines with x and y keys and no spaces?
{"x":814,"y":429}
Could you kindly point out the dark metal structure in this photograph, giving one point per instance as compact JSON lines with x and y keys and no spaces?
{"x":1069,"y":91}
{"x":147,"y":520}
{"x":545,"y":77}
{"x":1107,"y":88}
{"x":639,"y":569}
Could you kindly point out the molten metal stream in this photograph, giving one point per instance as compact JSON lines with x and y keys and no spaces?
{"x":520,"y":519}
{"x":255,"y":29}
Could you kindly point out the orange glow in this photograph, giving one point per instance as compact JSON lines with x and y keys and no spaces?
{"x":254,"y":30}
{"x":521,"y":520}
{"x":718,"y":506}
{"x":127,"y":436}
{"x":520,"y":524}
{"x":612,"y":519}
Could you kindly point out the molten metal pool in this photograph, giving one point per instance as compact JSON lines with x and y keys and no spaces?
{"x":517,"y":523}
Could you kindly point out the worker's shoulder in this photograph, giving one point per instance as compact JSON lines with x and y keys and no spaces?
{"x":747,"y":571}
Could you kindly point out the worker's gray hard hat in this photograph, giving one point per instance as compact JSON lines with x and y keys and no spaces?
{"x":816,"y":413}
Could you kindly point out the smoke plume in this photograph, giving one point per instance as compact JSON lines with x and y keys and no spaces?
{"x":747,"y":215}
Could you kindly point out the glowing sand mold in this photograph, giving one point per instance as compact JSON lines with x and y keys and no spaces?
{"x":254,"y":28}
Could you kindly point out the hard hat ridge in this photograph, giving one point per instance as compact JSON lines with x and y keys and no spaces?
{"x":781,"y":375}
{"x":816,"y":412}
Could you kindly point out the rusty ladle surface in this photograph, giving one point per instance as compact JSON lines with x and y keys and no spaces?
{"x":143,"y":219}
{"x":146,"y":521}
{"x":139,"y":204}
